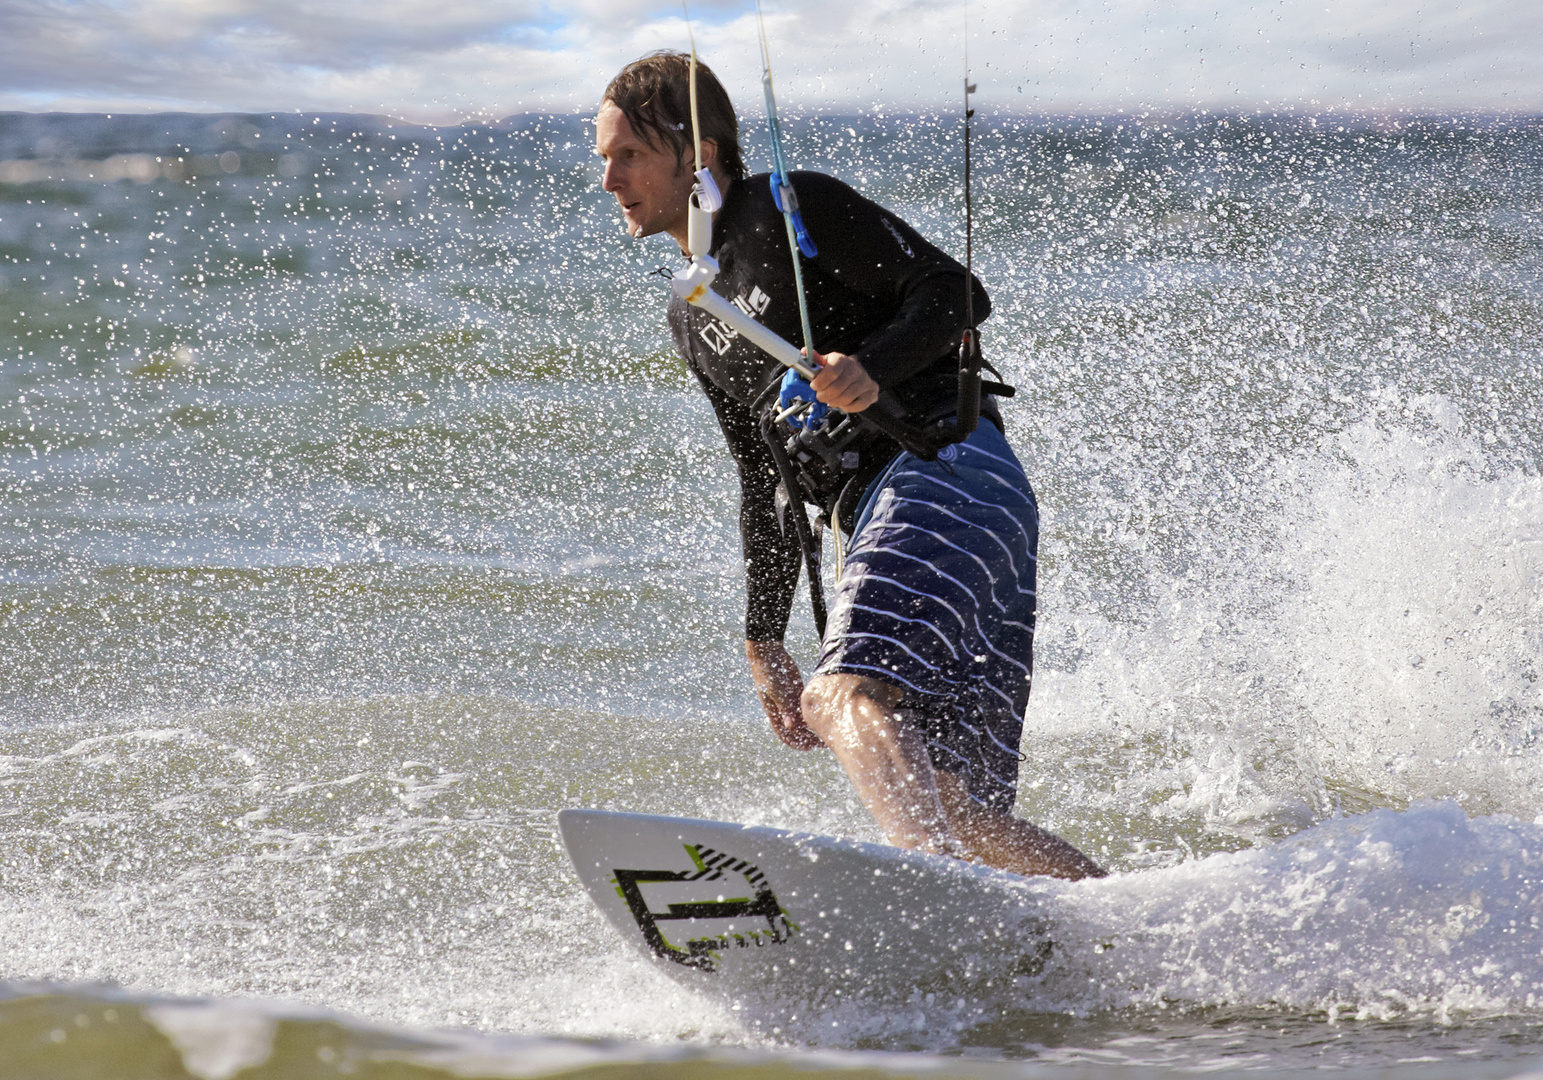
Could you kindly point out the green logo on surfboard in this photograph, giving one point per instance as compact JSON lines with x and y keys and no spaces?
{"x":758,"y":919}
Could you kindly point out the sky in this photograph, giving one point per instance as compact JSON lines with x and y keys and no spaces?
{"x":453,"y":60}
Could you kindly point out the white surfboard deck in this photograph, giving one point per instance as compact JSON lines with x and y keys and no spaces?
{"x":792,"y":920}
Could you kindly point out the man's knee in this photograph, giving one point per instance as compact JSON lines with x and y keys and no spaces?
{"x":829,"y":698}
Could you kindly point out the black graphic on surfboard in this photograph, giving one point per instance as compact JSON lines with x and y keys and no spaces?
{"x":710,"y":866}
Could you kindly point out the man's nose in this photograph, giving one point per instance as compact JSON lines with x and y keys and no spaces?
{"x":609,"y":181}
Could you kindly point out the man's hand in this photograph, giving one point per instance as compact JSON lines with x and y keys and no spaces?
{"x":780,"y":686}
{"x":842,"y":383}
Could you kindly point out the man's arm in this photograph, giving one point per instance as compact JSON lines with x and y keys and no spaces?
{"x":781,"y":689}
{"x":772,"y":561}
{"x":874,"y":252}
{"x":771,"y":554}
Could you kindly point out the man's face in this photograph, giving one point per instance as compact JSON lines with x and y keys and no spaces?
{"x":650,"y":182}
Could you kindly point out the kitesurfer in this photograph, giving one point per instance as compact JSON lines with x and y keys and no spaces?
{"x":924,"y":674}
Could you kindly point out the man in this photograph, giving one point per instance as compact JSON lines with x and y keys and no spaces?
{"x":924,"y":674}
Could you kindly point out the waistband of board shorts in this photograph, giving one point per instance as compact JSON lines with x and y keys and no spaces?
{"x":986,"y":437}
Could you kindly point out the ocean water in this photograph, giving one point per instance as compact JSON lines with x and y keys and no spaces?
{"x":355,"y":517}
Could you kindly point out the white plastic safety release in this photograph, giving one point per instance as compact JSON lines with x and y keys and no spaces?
{"x":699,"y":229}
{"x":707,"y":192}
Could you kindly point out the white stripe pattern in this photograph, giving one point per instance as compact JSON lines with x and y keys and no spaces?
{"x":937,"y":597}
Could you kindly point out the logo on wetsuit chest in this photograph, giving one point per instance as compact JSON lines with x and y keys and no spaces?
{"x":718,"y":336}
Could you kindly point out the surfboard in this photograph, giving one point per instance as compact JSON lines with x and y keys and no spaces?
{"x":792,"y":921}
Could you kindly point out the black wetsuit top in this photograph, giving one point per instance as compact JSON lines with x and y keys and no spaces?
{"x":876,"y":291}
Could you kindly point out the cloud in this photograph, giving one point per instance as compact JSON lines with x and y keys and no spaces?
{"x":460,"y":58}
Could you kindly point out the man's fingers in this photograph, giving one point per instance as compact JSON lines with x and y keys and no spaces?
{"x":801,"y":737}
{"x":792,"y":730}
{"x":840,"y":372}
{"x":797,"y":736}
{"x":850,"y":399}
{"x":843,"y":384}
{"x":780,"y":687}
{"x":862,"y":398}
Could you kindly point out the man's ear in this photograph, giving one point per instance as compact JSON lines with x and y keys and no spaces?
{"x":709,"y":153}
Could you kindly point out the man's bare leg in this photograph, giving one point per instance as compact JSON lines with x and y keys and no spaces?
{"x":916,"y":805}
{"x":886,"y":760}
{"x":999,"y":839}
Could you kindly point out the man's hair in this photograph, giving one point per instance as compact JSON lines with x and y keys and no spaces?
{"x":654,"y":94}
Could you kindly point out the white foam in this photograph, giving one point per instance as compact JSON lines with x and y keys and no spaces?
{"x":1426,"y":911}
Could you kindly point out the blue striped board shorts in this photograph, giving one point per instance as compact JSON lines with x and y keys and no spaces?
{"x":937,"y":597}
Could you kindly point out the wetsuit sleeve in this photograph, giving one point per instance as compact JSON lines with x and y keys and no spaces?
{"x":873,"y":252}
{"x":772,"y":558}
